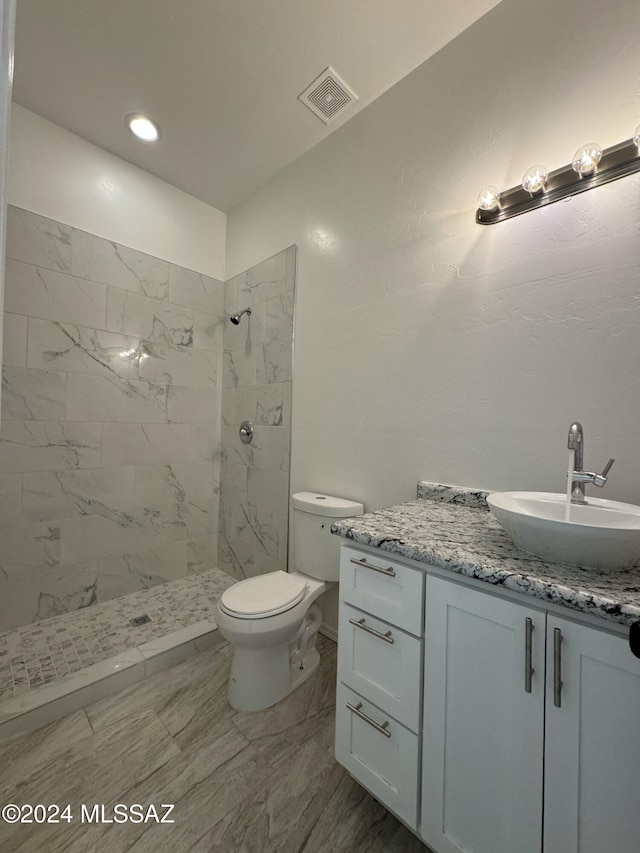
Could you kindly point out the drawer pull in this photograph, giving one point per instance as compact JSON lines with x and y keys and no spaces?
{"x":362,"y":562}
{"x":360,"y":623}
{"x":383,"y":729}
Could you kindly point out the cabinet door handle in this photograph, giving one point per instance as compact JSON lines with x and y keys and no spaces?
{"x":360,"y":623}
{"x":365,"y":565}
{"x":528,"y":668}
{"x":557,"y":667}
{"x":383,"y":729}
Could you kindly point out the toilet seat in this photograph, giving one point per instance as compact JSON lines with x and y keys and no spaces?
{"x":262,"y":596}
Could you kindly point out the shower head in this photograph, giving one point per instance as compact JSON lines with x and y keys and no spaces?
{"x":235,"y":318}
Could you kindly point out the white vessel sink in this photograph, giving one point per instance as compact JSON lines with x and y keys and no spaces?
{"x":603,"y":534}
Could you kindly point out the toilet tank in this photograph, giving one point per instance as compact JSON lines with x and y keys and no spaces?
{"x":316,"y":552}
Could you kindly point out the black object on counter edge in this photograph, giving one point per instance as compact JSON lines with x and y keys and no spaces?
{"x":634,"y":638}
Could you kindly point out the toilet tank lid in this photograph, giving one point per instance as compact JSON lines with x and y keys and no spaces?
{"x":325,"y":505}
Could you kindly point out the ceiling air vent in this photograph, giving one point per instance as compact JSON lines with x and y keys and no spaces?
{"x":328,"y":96}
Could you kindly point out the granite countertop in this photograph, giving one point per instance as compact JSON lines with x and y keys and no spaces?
{"x":453,"y":529}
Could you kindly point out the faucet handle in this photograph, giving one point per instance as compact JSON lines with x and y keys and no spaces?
{"x":601,"y":479}
{"x":607,"y":467}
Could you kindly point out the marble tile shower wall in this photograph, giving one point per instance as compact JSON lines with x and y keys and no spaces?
{"x":109,"y":441}
{"x":256,"y":380}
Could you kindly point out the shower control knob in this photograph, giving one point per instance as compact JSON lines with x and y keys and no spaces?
{"x":246,"y":432}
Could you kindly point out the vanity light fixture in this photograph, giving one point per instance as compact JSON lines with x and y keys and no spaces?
{"x":489,"y":199}
{"x":143,"y":127}
{"x":591,"y":167}
{"x":586,"y":159}
{"x":534,"y":180}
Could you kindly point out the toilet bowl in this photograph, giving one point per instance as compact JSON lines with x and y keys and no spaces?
{"x":261,"y":666}
{"x":272,"y":620}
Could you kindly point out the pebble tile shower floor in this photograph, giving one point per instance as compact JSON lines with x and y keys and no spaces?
{"x":38,"y":653}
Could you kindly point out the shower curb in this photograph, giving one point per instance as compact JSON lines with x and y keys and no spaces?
{"x":69,"y":693}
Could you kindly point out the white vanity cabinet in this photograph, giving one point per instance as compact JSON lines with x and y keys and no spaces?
{"x":496,"y":719}
{"x":485,"y":735}
{"x":592,"y":744}
{"x":483,"y":722}
{"x":379,"y":696}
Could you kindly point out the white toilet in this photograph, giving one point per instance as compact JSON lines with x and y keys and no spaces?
{"x":271,"y":620}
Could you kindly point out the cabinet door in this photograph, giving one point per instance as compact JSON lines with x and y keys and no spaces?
{"x":483,"y":732}
{"x":592,"y":758}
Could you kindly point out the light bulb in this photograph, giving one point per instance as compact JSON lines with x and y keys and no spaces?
{"x":636,"y":137}
{"x":142,"y":127}
{"x":534,"y":179}
{"x":489,"y":199}
{"x":586,"y":159}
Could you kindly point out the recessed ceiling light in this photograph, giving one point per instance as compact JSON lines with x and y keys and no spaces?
{"x":142,"y":127}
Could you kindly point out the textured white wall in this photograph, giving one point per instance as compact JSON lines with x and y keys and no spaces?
{"x":426,"y":346}
{"x":57,"y":174}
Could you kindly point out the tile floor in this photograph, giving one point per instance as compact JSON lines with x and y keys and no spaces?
{"x":36,"y":654}
{"x":241,"y":783}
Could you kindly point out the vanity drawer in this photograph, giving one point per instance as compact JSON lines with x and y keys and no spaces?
{"x":387,"y":589}
{"x":378,"y":752}
{"x":382,"y":663}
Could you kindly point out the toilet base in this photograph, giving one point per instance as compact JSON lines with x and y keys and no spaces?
{"x":261,"y":678}
{"x":309,"y":666}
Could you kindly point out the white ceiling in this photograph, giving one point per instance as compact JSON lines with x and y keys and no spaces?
{"x":221,"y":77}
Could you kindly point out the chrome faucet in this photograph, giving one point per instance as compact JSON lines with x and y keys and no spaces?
{"x":580,"y":478}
